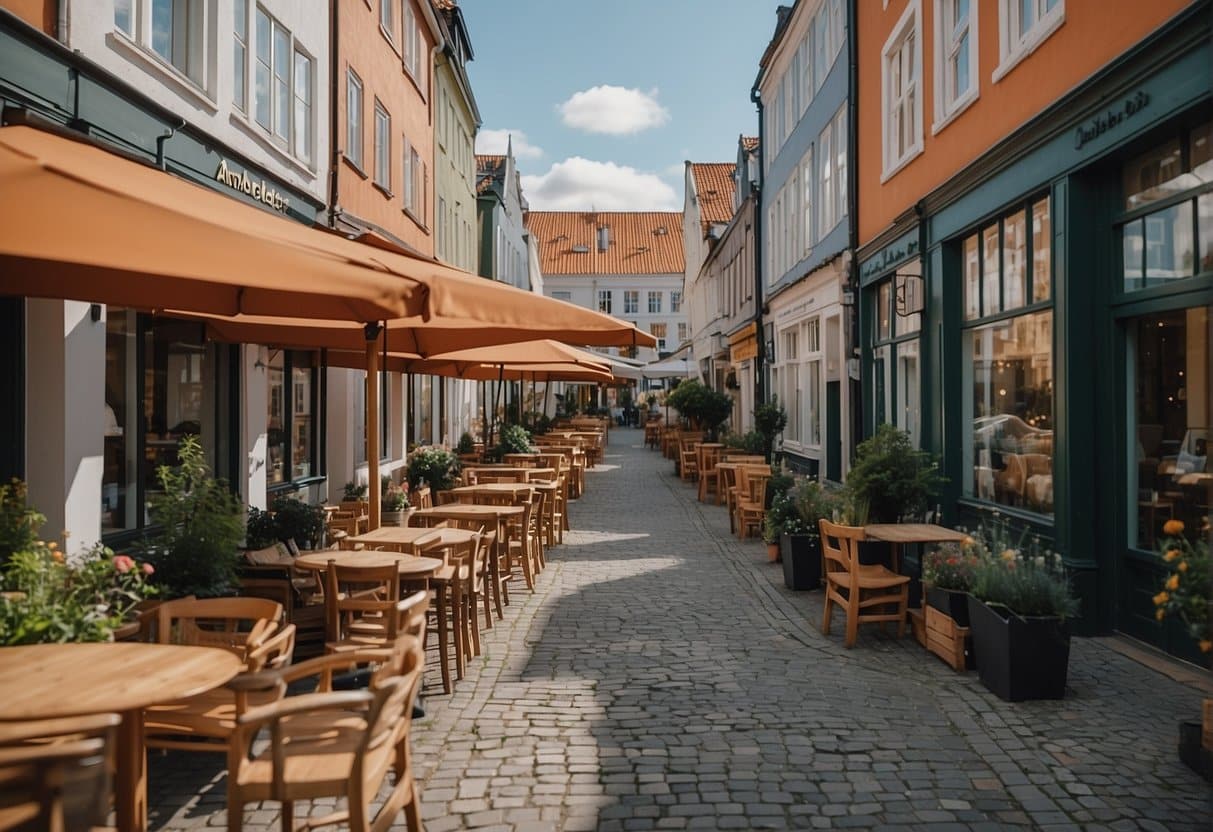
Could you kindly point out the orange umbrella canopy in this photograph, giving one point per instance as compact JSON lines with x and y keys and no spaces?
{"x":553,"y":371}
{"x":79,"y":222}
{"x":534,"y":316}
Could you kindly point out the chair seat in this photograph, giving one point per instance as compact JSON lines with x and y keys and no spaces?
{"x":319,"y":765}
{"x":211,"y":714}
{"x":869,"y":576}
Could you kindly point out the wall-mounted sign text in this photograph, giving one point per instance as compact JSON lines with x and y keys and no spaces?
{"x":1104,"y":122}
{"x":258,"y":189}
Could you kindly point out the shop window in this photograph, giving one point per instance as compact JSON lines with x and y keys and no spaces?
{"x":1023,"y":26}
{"x":1170,"y":473}
{"x":896,"y":380}
{"x":994,"y":263}
{"x":1174,"y":240}
{"x":162,"y":382}
{"x":290,"y":423}
{"x":901,"y":93}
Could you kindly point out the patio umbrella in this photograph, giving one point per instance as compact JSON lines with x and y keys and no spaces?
{"x":78,"y":222}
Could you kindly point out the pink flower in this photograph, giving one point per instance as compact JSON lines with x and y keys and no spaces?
{"x":148,"y":569}
{"x":123,"y":564}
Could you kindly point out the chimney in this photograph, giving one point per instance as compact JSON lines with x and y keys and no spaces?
{"x":604,"y":237}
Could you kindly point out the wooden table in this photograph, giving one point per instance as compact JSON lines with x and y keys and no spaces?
{"x":411,"y":567}
{"x":49,"y":681}
{"x":900,"y":534}
{"x":499,"y":516}
{"x":398,"y":538}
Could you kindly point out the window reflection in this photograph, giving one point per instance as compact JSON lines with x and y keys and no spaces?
{"x":1172,"y":474}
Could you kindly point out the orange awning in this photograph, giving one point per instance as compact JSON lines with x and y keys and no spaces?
{"x":554,"y":371}
{"x":79,"y":222}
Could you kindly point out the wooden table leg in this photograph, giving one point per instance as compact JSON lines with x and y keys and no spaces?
{"x":130,"y":784}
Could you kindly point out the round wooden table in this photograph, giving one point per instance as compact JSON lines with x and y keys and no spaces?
{"x":411,"y":567}
{"x":49,"y":681}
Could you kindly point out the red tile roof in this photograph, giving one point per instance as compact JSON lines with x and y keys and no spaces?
{"x":641,"y":242}
{"x":714,"y":188}
{"x":748,"y":143}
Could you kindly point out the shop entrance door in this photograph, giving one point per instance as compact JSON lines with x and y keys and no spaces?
{"x":1169,"y":470}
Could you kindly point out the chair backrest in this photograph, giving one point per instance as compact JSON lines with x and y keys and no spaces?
{"x":446,"y":497}
{"x":709,"y":458}
{"x":422,"y":497}
{"x":237,"y":625}
{"x":55,"y":773}
{"x":840,"y":546}
{"x":356,"y":506}
{"x":274,"y":653}
{"x":352,"y":591}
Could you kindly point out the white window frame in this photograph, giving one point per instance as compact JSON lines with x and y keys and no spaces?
{"x":382,"y":175}
{"x":411,"y":43}
{"x":1014,"y":47}
{"x":303,"y":125}
{"x":354,"y":138}
{"x":840,"y":163}
{"x":138,"y":42}
{"x":806,"y":206}
{"x":631,"y":301}
{"x":909,"y":25}
{"x":240,"y":57}
{"x":654,"y":302}
{"x":949,"y":103}
{"x":826,"y":203}
{"x":604,"y":301}
{"x":676,"y":301}
{"x":387,"y":20}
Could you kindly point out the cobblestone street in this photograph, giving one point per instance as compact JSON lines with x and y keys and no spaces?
{"x":661,"y":677}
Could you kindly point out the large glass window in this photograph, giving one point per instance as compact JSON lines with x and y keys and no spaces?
{"x":1009,"y":360}
{"x":1170,"y":472}
{"x":1174,"y":240}
{"x":290,"y":424}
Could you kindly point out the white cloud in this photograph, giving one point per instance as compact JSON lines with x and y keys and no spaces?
{"x":614,"y":110}
{"x":493,"y":142}
{"x":578,"y":184}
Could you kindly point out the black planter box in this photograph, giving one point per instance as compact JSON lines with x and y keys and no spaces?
{"x":1191,"y":753}
{"x":951,"y":602}
{"x":1019,"y":658}
{"x":801,"y":555}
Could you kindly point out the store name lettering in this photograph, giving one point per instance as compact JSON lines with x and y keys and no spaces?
{"x":1106,"y":121}
{"x":259,"y":190}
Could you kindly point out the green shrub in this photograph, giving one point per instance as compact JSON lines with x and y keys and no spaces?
{"x":1018,"y":572}
{"x":891,"y":479}
{"x":813,"y":502}
{"x":513,"y":439}
{"x":434,"y":466}
{"x":261,"y":529}
{"x":19,"y":523}
{"x":467,"y":445}
{"x":200,"y":524}
{"x":769,"y":421}
{"x":702,"y":407}
{"x":353,"y":492}
{"x":298,"y":521}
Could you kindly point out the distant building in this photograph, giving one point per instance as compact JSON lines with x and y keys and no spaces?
{"x":501,"y":211}
{"x":707,"y":208}
{"x":629,"y":264}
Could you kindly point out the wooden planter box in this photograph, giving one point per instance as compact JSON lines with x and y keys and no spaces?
{"x":947,"y":639}
{"x":1206,"y":734}
{"x":918,"y":625}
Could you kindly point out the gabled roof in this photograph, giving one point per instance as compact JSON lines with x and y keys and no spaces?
{"x":748,"y":143}
{"x":714,"y":188}
{"x":641,"y":242}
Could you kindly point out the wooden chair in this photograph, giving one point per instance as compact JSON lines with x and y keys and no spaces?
{"x":751,"y":508}
{"x":362,"y":606}
{"x":865,"y":591}
{"x":727,"y":488}
{"x":709,"y":476}
{"x":422,"y":497}
{"x":688,"y":455}
{"x":238,"y":625}
{"x":55,"y":773}
{"x":333,"y":745}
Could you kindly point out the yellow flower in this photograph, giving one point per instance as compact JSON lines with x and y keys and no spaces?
{"x":56,"y":556}
{"x":1183,"y":566}
{"x":1008,"y":554}
{"x":1206,"y":645}
{"x":1161,"y":598}
{"x":1171,"y":555}
{"x":1173,"y":527}
{"x":52,"y":546}
{"x":1160,"y":614}
{"x":1173,"y":583}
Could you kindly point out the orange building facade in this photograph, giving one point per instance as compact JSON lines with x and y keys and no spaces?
{"x":1035,"y":270}
{"x":383,"y":132}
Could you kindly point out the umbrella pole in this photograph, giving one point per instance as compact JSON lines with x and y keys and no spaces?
{"x":372,"y":421}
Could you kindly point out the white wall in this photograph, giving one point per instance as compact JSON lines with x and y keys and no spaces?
{"x":254,"y":410}
{"x":65,"y":418}
{"x":583,"y":291}
{"x":88,"y":26}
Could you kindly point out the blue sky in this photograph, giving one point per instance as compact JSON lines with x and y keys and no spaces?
{"x":611,"y":97}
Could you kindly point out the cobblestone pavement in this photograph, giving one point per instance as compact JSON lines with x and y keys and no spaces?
{"x":661,"y":677}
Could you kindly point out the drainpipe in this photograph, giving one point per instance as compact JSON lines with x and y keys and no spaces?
{"x":334,"y":147}
{"x":852,"y":316}
{"x":760,"y":357}
{"x":161,"y":139}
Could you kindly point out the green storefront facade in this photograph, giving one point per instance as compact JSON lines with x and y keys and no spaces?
{"x":1042,"y":322}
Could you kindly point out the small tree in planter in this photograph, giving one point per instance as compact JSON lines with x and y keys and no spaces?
{"x":891,"y":479}
{"x":1019,"y":608}
{"x":769,"y":421}
{"x":703,"y":409}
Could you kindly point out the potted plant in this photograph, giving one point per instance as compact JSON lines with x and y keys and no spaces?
{"x":198,"y":524}
{"x":780,"y":513}
{"x":513,"y":439}
{"x":353,"y":492}
{"x":298,"y":521}
{"x":947,"y":577}
{"x":1185,"y":595}
{"x":467,"y":448}
{"x":769,"y":421}
{"x":395,"y":505}
{"x":434,"y":466}
{"x":891,"y":479}
{"x":800,"y":548}
{"x":1019,"y":606}
{"x":702,"y":408}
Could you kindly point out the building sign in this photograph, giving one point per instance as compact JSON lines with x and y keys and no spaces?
{"x":892,"y":254}
{"x":1104,"y":122}
{"x":743,"y":344}
{"x":258,"y":189}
